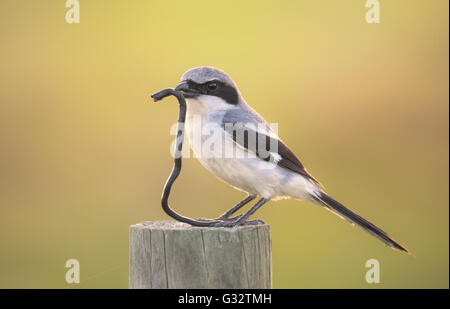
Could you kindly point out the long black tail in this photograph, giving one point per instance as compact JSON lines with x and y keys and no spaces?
{"x":353,"y":218}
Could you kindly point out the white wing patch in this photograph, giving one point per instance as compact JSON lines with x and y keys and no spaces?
{"x":276,"y":157}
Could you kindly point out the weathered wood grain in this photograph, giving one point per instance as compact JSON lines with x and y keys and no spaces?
{"x":170,"y":254}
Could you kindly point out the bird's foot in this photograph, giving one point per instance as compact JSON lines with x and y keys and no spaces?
{"x":221,"y":218}
{"x":238,"y":222}
{"x":253,"y":222}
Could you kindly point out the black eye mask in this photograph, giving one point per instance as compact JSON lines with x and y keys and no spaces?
{"x":224,"y":91}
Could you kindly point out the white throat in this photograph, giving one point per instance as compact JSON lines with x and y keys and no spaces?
{"x":205,"y":104}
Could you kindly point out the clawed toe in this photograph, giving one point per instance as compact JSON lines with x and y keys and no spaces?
{"x":253,"y":222}
{"x":223,"y":223}
{"x":236,"y":222}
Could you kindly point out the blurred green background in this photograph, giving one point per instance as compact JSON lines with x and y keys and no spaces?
{"x":85,"y":153}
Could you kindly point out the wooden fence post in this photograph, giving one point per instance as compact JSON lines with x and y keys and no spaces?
{"x":170,"y":254}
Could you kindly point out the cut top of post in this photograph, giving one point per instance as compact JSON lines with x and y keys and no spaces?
{"x":170,"y":254}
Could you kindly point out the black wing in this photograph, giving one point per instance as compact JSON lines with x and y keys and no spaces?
{"x":266,"y":148}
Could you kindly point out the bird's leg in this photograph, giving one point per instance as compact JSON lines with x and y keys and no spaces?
{"x":226,"y":215}
{"x":243,"y":219}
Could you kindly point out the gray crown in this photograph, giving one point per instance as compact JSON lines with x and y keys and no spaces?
{"x":204,"y":74}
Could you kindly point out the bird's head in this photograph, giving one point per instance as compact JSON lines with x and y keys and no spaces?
{"x":208,"y":81}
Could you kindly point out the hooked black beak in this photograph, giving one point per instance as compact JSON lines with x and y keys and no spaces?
{"x":186,"y":90}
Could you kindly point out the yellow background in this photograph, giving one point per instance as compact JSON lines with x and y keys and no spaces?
{"x":85,"y":153}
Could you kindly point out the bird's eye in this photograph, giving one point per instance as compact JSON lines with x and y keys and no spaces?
{"x":212,"y":86}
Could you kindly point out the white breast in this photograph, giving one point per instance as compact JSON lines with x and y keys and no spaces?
{"x":242,"y":170}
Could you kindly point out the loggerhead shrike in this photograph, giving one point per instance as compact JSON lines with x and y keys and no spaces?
{"x":214,"y":104}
